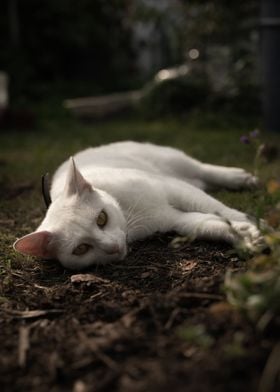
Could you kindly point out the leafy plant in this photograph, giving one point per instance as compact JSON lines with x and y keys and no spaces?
{"x":196,"y":335}
{"x":256,"y":293}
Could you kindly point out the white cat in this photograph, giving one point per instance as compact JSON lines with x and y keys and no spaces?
{"x":128,"y":191}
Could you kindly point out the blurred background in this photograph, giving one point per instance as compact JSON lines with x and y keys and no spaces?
{"x":169,"y":55}
{"x":199,"y":75}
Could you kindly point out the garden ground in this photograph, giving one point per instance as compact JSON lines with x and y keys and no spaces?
{"x":156,"y":321}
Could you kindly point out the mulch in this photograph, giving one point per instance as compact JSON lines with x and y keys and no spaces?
{"x":122,"y":327}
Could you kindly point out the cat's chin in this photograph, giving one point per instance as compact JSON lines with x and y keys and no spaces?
{"x":78,"y":266}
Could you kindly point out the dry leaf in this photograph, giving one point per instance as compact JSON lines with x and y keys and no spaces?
{"x":27,"y":314}
{"x":188,"y":265}
{"x":90,"y":278}
{"x":273,"y":218}
{"x":145,"y":274}
{"x":273,"y":186}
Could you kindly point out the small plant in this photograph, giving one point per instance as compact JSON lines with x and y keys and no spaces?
{"x":253,"y":138}
{"x":235,"y":348}
{"x":256,"y":293}
{"x":196,"y":335}
{"x":263,"y":152}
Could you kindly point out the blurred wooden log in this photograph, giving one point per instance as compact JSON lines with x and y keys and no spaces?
{"x":104,"y":105}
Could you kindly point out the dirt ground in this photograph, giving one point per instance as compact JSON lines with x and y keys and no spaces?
{"x":154,"y":322}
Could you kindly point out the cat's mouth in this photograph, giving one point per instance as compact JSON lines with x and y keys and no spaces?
{"x":116,"y":250}
{"x":121,"y":253}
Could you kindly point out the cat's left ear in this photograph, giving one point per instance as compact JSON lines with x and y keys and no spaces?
{"x":75,"y":182}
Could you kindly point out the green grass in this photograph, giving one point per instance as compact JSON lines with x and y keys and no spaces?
{"x":56,"y":136}
{"x":26,"y":155}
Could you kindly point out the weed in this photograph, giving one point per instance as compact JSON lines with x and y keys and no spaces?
{"x":256,"y":293}
{"x":196,"y":335}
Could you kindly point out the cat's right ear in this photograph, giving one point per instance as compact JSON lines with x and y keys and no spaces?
{"x":35,"y":244}
{"x":75,"y":182}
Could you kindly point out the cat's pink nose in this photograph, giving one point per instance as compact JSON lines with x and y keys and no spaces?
{"x":113,"y":249}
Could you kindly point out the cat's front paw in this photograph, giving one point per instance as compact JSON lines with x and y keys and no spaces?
{"x":247,"y":236}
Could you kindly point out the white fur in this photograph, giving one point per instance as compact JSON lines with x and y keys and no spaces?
{"x":144,"y":189}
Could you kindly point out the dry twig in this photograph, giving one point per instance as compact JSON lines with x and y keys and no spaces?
{"x":271,"y":371}
{"x":23,"y":345}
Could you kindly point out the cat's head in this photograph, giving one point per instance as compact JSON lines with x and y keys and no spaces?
{"x":83,"y":226}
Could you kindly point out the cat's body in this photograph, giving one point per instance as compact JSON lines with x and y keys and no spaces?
{"x":142,"y":189}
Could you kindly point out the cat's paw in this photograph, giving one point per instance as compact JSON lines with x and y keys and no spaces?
{"x":247,"y":236}
{"x":241,"y":179}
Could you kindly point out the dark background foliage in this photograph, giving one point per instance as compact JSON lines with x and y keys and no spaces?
{"x":87,"y":47}
{"x":66,"y":40}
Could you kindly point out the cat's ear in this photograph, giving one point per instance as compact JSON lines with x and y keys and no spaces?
{"x":75,"y":182}
{"x":35,"y":244}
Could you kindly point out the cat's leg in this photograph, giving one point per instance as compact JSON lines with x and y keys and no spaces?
{"x":227,"y":177}
{"x":188,"y":198}
{"x":175,"y":163}
{"x":178,"y":164}
{"x":197,"y":225}
{"x":210,"y":217}
{"x":206,"y":176}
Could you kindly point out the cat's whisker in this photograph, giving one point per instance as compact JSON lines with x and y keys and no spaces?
{"x":133,"y":208}
{"x":138,"y":219}
{"x":142,"y":227}
{"x":142,"y":213}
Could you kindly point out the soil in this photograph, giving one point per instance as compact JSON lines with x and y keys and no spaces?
{"x":157,"y":321}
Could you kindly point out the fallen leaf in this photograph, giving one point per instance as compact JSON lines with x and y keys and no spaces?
{"x":220,"y":308}
{"x":145,"y":274}
{"x":80,"y":386}
{"x":26,"y":314}
{"x":273,"y":218}
{"x":273,"y":186}
{"x":188,"y":265}
{"x":178,"y":241}
{"x":90,"y":278}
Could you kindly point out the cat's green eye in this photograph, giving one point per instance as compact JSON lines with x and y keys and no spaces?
{"x":102,"y":219}
{"x":81,"y":249}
